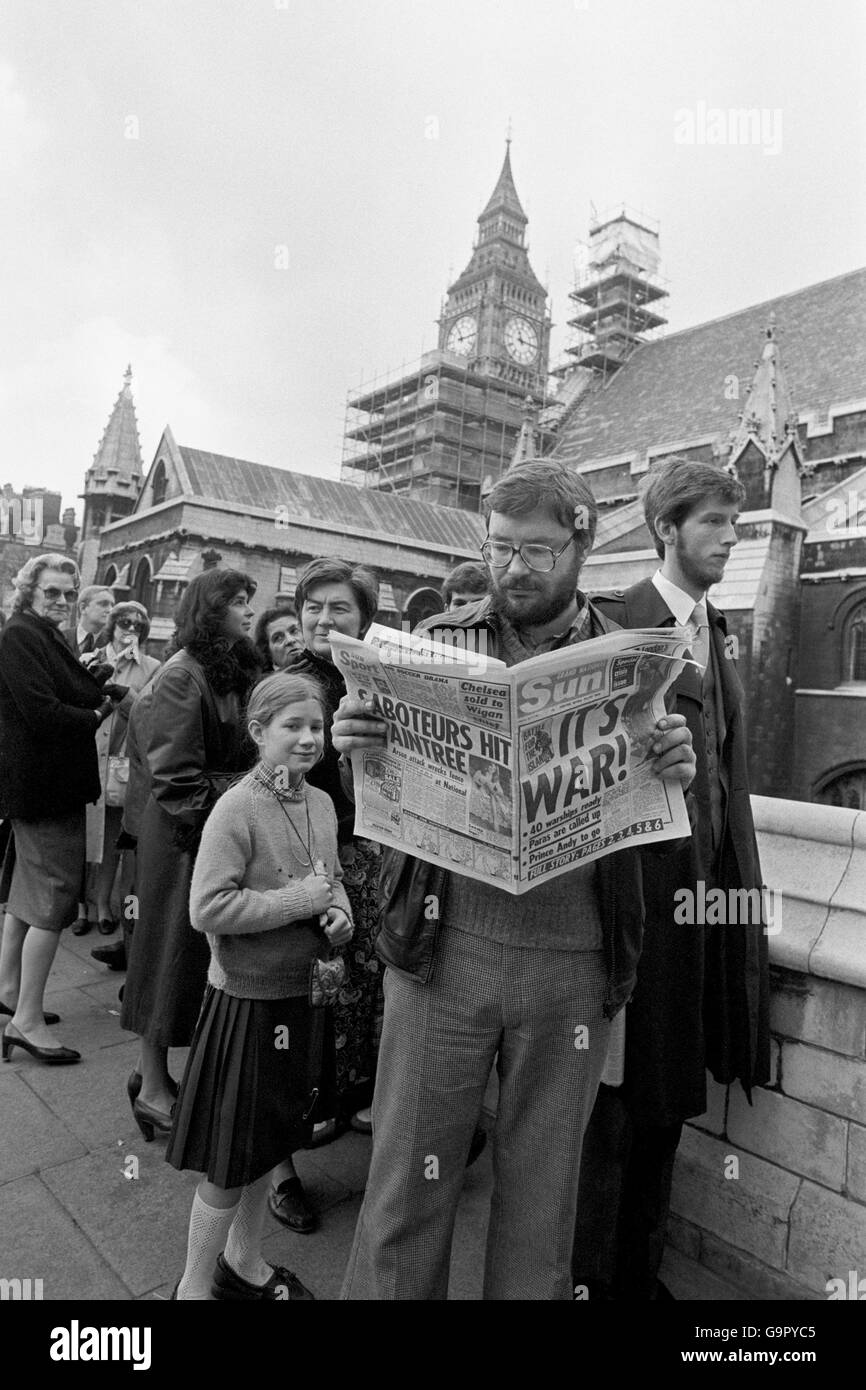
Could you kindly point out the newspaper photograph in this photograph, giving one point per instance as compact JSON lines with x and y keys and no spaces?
{"x":514,"y":774}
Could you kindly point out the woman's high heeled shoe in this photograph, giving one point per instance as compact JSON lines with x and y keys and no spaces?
{"x":151,"y":1122}
{"x":133,"y":1086}
{"x":52,"y":1056}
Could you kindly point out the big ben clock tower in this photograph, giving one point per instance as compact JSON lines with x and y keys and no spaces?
{"x":496,"y":313}
{"x":445,"y":430}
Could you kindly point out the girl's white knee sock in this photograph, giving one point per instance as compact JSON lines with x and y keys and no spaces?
{"x":208,"y":1229}
{"x":244,"y":1244}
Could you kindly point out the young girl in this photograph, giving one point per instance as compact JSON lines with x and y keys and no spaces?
{"x":266,"y":890}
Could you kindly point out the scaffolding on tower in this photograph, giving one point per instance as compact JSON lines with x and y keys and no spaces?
{"x":438,"y":431}
{"x":617,"y":293}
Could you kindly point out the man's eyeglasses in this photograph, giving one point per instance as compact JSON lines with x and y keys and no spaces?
{"x":128,"y":624}
{"x":499,"y":555}
{"x":53,"y":595}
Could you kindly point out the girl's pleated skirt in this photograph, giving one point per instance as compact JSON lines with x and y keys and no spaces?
{"x":250,"y":1092}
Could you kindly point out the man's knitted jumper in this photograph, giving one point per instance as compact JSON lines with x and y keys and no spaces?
{"x":248,"y":892}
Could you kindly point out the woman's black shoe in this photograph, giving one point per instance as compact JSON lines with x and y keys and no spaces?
{"x":283,"y":1284}
{"x":150,"y":1122}
{"x":133,"y":1086}
{"x":49,"y":1018}
{"x":53,"y":1056}
{"x":81,"y":927}
{"x":289,"y":1204}
{"x":107,"y":927}
{"x":114,"y":956}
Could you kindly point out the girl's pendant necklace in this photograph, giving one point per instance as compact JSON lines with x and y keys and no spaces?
{"x":317,"y":865}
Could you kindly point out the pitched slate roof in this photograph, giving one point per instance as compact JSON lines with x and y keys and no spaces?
{"x":308,"y":498}
{"x":672,"y":391}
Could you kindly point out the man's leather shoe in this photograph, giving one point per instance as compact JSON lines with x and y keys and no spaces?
{"x":106,"y":926}
{"x":283,"y":1284}
{"x":114,"y":956}
{"x":81,"y":927}
{"x":288,"y":1203}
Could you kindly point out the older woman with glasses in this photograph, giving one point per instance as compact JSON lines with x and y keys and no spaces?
{"x":125,"y":632}
{"x":50,"y":709}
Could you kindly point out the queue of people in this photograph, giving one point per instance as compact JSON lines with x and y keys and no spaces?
{"x":295,"y":959}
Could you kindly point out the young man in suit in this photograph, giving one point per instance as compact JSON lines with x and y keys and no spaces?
{"x":94,"y":605}
{"x":701,"y":995}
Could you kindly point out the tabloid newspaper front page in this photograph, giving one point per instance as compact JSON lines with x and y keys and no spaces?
{"x":513,"y":774}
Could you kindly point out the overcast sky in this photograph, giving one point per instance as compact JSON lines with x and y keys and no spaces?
{"x":162,"y":160}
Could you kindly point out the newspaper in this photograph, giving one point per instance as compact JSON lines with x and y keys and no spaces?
{"x":514,"y":774}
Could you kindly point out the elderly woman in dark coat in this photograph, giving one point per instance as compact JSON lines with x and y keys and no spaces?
{"x":50,"y":709}
{"x":197,"y":744}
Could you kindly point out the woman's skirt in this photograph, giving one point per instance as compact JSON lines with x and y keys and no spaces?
{"x":249,"y":1095}
{"x":169,"y":959}
{"x":48,"y":874}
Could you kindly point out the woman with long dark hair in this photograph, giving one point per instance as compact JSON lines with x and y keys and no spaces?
{"x":197,"y":745}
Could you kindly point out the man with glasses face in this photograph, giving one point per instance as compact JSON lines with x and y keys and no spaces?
{"x":531,"y":981}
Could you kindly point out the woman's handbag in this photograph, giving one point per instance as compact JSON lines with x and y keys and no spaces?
{"x":327,"y":978}
{"x":116,"y":780}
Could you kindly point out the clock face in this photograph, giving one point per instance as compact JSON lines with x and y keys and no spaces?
{"x":521,"y":340}
{"x":463,"y":336}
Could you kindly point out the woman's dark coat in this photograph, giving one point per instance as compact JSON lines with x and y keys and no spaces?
{"x":197,"y":744}
{"x":48,"y":763}
{"x":702,"y":991}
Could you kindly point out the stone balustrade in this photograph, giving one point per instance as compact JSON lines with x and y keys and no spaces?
{"x":772,"y":1195}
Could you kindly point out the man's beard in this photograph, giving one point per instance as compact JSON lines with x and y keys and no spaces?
{"x":694,"y":570}
{"x":537,"y":611}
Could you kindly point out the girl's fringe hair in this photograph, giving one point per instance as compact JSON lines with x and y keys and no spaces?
{"x":283,"y":688}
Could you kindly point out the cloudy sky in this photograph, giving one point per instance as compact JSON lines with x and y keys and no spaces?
{"x":258,"y":203}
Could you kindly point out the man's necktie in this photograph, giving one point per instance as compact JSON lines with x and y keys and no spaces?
{"x":700,"y":636}
{"x":87,"y":645}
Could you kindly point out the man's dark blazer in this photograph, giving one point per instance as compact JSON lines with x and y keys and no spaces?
{"x":702,"y":991}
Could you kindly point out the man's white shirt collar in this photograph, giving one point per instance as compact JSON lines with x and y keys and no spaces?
{"x":681,"y":604}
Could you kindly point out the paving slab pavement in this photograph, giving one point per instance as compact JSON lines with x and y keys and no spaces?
{"x":96,"y":1213}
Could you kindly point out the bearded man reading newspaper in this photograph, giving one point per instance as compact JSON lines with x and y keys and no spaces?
{"x":533,"y":981}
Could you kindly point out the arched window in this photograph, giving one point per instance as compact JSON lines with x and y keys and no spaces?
{"x":422,"y":604}
{"x":109,"y":579}
{"x":854,"y":645}
{"x":159,"y":484}
{"x":846,"y":789}
{"x":141,"y":584}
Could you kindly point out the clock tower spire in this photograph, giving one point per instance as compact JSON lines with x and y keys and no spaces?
{"x":496,"y":312}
